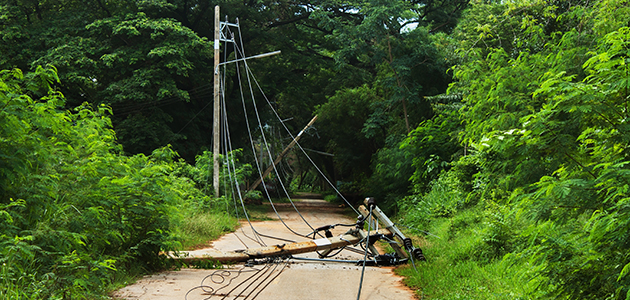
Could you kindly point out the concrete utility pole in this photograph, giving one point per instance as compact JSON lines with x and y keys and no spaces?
{"x":217,"y":105}
{"x":279,"y":158}
{"x":216,"y":132}
{"x":354,"y":236}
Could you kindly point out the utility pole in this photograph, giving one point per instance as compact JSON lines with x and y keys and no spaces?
{"x":217,"y":105}
{"x":218,"y":37}
{"x":279,"y":158}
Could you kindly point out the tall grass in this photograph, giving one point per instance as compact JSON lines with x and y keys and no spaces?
{"x":461,"y":264}
{"x":198,"y":229}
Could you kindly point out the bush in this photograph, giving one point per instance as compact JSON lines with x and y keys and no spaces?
{"x":84,"y":211}
{"x":443,"y":199}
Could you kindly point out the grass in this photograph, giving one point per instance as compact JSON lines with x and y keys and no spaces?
{"x":196,"y":231}
{"x":333,"y":198}
{"x":12,"y":287}
{"x":459,"y":266}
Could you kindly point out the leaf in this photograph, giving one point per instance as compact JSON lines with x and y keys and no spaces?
{"x":624,"y":272}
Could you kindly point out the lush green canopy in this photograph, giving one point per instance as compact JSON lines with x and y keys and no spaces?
{"x":507,"y":119}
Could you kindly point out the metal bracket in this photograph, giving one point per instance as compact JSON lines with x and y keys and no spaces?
{"x":223,"y":26}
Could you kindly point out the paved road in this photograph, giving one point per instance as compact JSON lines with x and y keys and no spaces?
{"x":293,"y":279}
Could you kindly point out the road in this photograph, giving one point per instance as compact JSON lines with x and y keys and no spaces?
{"x":292,"y":279}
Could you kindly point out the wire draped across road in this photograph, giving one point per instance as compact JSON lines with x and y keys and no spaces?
{"x":249,"y":288}
{"x":260,"y":278}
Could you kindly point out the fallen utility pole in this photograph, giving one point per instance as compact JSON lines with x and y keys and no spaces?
{"x":348,"y":239}
{"x":279,"y":158}
{"x":399,"y":237}
{"x":354,"y":236}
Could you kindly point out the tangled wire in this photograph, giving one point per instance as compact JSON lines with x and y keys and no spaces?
{"x":249,"y":288}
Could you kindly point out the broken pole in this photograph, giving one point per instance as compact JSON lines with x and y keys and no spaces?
{"x":279,"y":158}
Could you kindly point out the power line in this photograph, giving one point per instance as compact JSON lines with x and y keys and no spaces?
{"x":301,"y":148}
{"x":258,"y":164}
{"x":367,"y":243}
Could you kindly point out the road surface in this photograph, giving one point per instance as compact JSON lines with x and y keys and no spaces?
{"x":292,"y":279}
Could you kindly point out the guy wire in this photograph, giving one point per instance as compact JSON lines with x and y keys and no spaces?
{"x":263,"y":137}
{"x":367,"y":243}
{"x":242,"y":52}
{"x":300,"y":146}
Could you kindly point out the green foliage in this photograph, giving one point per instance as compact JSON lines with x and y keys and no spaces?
{"x":135,"y":64}
{"x":544,"y":124}
{"x":113,"y":54}
{"x":200,"y":227}
{"x":521,"y":168}
{"x":348,"y":109}
{"x":443,"y":199}
{"x":391,"y":171}
{"x":459,"y":263}
{"x":590,"y":186}
{"x":434,"y":142}
{"x":85,"y":212}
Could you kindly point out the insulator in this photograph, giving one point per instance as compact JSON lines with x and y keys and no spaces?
{"x":417,"y":253}
{"x":408,"y":244}
{"x":360,"y":222}
{"x":371,"y":202}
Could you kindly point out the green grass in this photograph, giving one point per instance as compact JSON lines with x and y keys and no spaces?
{"x":12,"y":285}
{"x":199,"y":229}
{"x":460,"y":266}
{"x":333,"y":198}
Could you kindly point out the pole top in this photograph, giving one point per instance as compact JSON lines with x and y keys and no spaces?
{"x":370,"y":202}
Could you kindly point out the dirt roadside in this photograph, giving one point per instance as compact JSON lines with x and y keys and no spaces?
{"x":295,"y":279}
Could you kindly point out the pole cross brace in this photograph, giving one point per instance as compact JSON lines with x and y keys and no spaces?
{"x":352,"y":237}
{"x":285,"y":249}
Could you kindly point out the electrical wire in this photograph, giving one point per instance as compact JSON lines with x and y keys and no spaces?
{"x":229,"y":164}
{"x":222,"y":274}
{"x":265,"y":275}
{"x":225,"y":166}
{"x":251,"y":286}
{"x":412,"y":262}
{"x":331,"y":255}
{"x":301,"y":148}
{"x":275,"y":266}
{"x":226,"y":130}
{"x":255,"y":278}
{"x":256,"y":233}
{"x":326,"y":260}
{"x":234,"y":168}
{"x":416,"y":229}
{"x":258,"y":119}
{"x":367,"y":242}
{"x":240,"y":196}
{"x":196,"y":93}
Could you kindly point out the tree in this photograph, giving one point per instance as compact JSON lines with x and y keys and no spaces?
{"x":545,"y":114}
{"x":75,"y":211}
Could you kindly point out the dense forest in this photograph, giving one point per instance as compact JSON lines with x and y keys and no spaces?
{"x":493,"y":129}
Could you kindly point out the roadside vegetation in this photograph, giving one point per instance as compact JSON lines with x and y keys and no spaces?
{"x":496,"y":130}
{"x":531,"y":202}
{"x":80,"y":216}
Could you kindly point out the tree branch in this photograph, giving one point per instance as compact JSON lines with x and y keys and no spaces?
{"x":201,"y":14}
{"x":281,"y":23}
{"x":391,"y":59}
{"x":102,"y":6}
